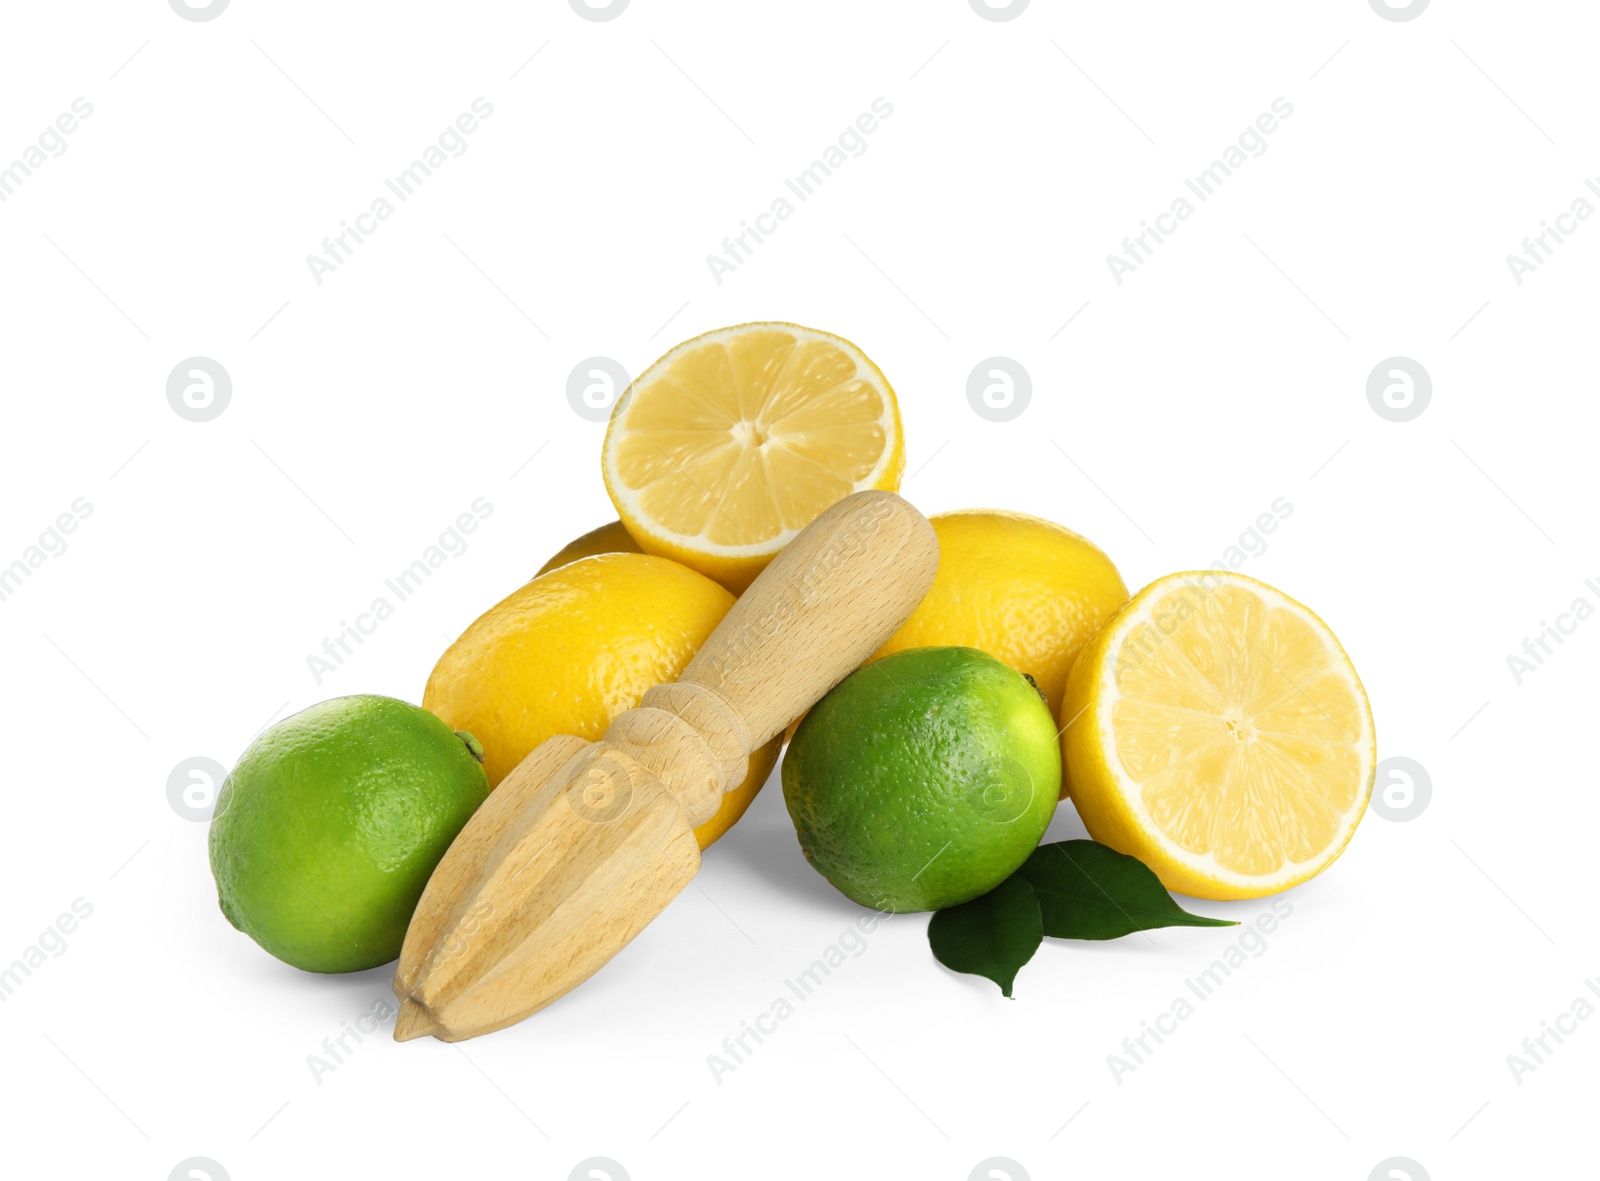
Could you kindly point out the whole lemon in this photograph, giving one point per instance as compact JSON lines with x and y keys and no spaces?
{"x":572,"y":649}
{"x":1027,"y":591}
{"x":611,"y":538}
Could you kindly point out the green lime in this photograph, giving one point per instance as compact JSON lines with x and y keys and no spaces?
{"x":327,"y":829}
{"x":924,"y":779}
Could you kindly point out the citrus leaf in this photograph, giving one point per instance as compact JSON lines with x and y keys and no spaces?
{"x":991,"y":936}
{"x":1088,"y":891}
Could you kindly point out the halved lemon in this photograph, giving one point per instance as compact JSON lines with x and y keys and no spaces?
{"x":725,"y":448}
{"x":1216,"y":730}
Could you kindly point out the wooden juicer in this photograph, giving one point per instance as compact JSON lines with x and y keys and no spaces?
{"x":585,"y":842}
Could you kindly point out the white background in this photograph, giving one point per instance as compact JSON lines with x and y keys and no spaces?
{"x":368,"y":411}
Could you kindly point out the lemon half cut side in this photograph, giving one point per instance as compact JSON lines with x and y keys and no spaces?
{"x":1216,"y":730}
{"x":730,"y":444}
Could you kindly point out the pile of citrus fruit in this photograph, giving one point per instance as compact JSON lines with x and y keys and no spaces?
{"x":1209,"y":726}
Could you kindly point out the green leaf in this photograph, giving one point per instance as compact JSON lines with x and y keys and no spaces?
{"x":991,"y":936}
{"x":1087,"y":891}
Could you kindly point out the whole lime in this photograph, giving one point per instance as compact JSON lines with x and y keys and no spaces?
{"x":924,"y":779}
{"x":327,"y":829}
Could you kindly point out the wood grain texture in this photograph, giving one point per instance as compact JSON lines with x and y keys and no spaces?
{"x":584,"y":843}
{"x":811,"y":617}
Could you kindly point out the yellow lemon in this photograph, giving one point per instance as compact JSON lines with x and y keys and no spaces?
{"x":725,"y":448}
{"x":1027,"y":591}
{"x":608,"y":539}
{"x":1218,"y":732}
{"x":568,"y":651}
